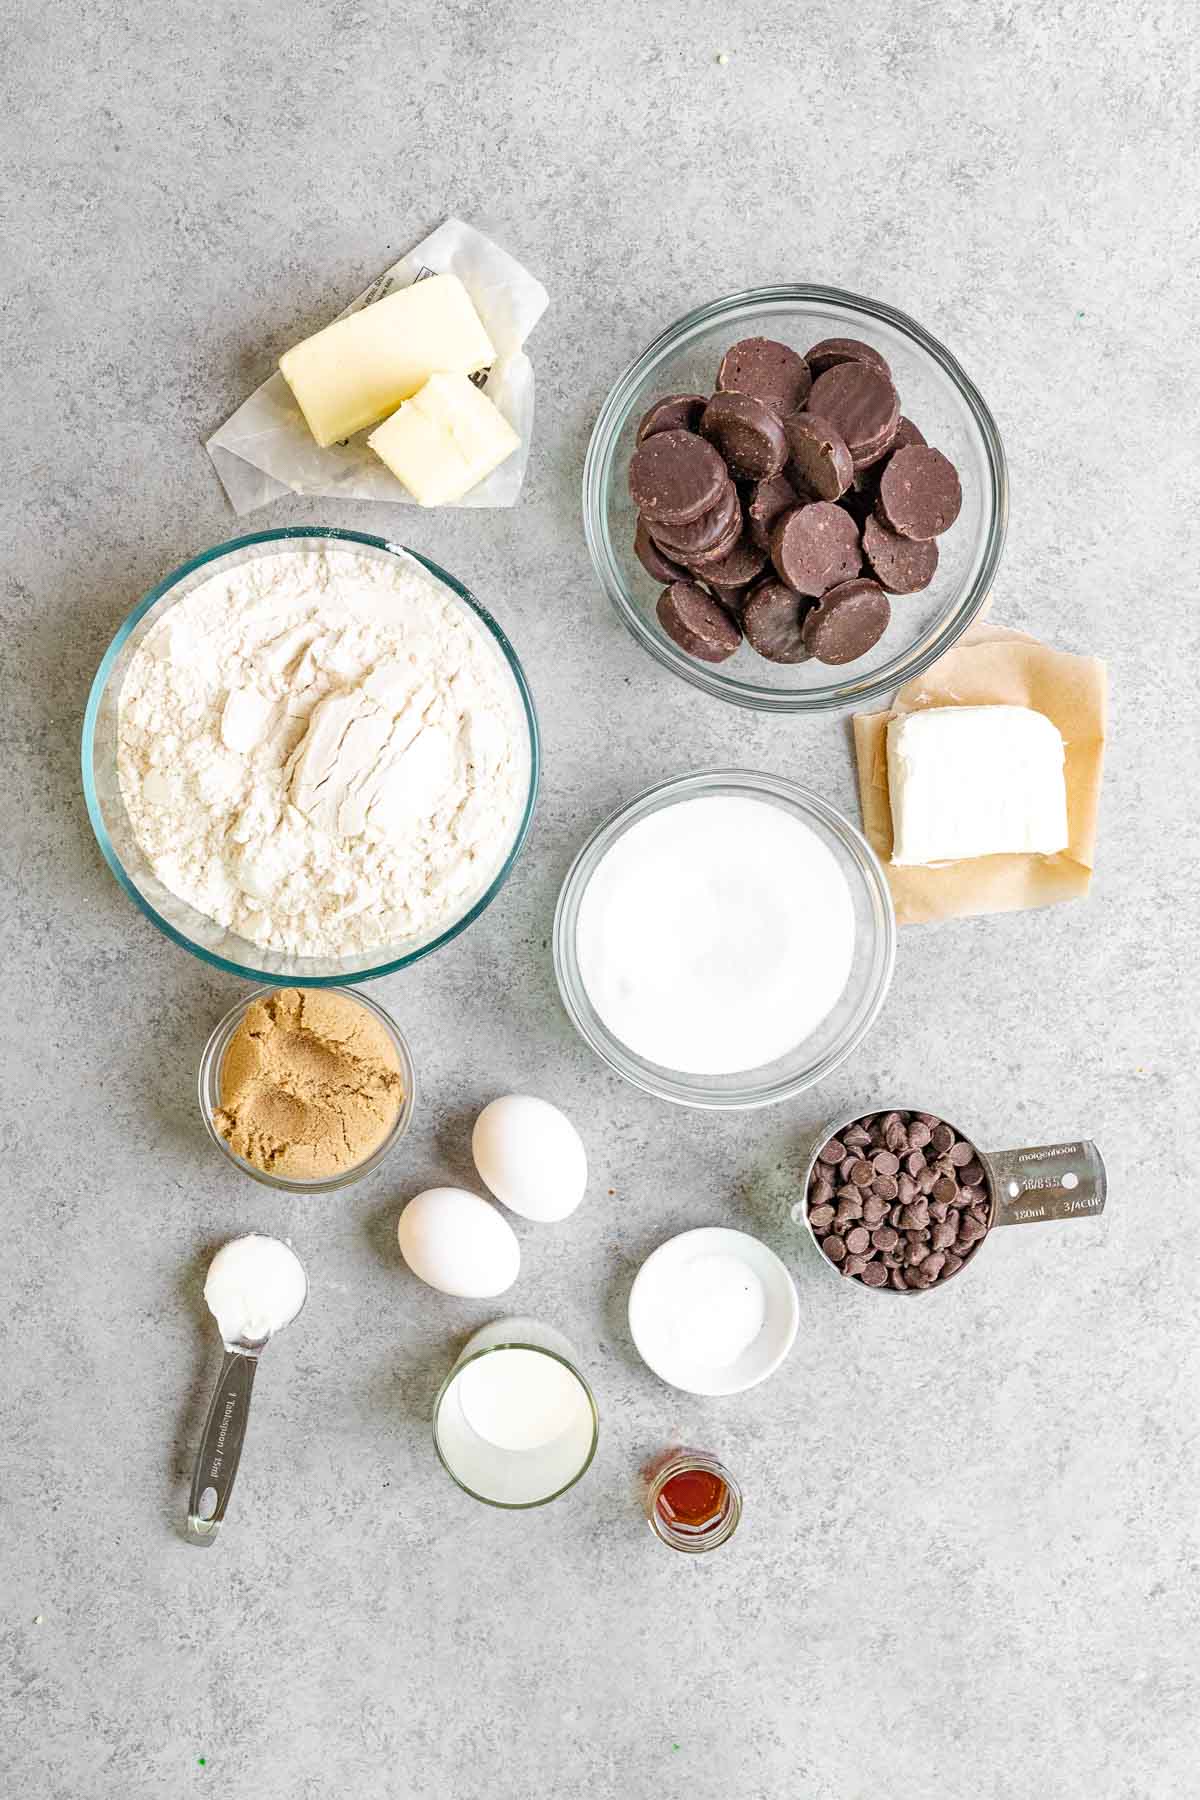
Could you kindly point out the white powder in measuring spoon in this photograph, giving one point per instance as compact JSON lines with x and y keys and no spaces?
{"x":715,"y":935}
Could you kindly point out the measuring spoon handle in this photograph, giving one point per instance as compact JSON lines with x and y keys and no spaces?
{"x":221,"y":1446}
{"x":1047,"y":1181}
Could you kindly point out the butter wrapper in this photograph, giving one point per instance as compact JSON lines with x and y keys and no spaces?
{"x":266,"y":449}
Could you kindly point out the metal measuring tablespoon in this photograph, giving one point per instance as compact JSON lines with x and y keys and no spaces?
{"x":229,"y":1412}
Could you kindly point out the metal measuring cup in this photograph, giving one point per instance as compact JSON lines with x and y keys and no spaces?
{"x":1029,"y":1186}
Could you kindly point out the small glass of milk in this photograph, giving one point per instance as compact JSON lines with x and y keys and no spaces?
{"x":515,"y":1423}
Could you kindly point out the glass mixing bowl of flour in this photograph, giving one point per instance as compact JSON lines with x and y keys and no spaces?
{"x":725,"y":939}
{"x":321,"y":769}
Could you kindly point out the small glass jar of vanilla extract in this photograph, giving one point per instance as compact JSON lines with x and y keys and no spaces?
{"x":692,"y":1502}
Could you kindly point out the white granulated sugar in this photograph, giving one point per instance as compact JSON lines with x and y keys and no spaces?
{"x":323,"y":751}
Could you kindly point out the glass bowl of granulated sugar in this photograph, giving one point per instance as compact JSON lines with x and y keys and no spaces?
{"x":310,"y":756}
{"x":725,"y":939}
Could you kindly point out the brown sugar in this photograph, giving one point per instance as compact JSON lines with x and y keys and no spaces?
{"x":310,"y":1084}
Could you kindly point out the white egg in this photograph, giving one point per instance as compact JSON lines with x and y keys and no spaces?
{"x":459,"y":1243}
{"x":531,"y":1157}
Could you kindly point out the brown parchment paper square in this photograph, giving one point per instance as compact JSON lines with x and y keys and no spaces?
{"x":995,"y":667}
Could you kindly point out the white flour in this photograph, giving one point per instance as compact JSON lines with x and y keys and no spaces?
{"x":322,"y":751}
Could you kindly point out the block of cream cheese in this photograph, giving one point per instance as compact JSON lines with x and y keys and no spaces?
{"x":444,"y":440}
{"x":361,"y":367}
{"x":975,"y":781}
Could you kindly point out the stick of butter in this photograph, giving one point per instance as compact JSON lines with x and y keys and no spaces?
{"x":444,"y":440}
{"x":360,"y":368}
{"x":975,"y":781}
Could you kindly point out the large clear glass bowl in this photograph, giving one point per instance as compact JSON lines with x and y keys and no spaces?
{"x":935,"y":394}
{"x":834,"y":1039}
{"x":177,"y":920}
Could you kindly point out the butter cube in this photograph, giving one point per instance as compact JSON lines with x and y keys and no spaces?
{"x":360,"y":368}
{"x":975,"y":781}
{"x":444,"y":440}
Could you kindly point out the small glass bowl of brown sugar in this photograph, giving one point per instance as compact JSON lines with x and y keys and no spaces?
{"x":306,"y":1089}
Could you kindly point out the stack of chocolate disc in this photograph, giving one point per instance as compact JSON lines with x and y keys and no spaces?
{"x":758,"y":506}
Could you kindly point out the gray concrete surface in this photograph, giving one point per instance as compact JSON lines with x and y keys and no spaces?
{"x":969,"y":1563}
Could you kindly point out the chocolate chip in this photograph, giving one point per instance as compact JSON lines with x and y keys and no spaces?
{"x":677,"y":412}
{"x":821,"y":1218}
{"x":942,"y":1139}
{"x":971,"y":1174}
{"x":845,"y":1166}
{"x":897,"y":1280}
{"x":934,"y":1263}
{"x":961,"y":1154}
{"x":874,"y":1210}
{"x":884,"y":1162}
{"x":945,"y":1188}
{"x":771,"y":372}
{"x":915,"y":1217}
{"x":854,"y":1265}
{"x":918,"y":1134}
{"x":926,"y":1181}
{"x":906,"y":1187}
{"x":952,"y":1264}
{"x":886,"y":1186}
{"x":885,"y":1238}
{"x":832,"y":1152}
{"x":697,"y":622}
{"x":944,"y":1235}
{"x":834,"y":1248}
{"x":862,"y":1174}
{"x":674,"y":476}
{"x":875,"y":1275}
{"x":859,"y":1240}
{"x":857,"y":1135}
{"x":896,"y":1138}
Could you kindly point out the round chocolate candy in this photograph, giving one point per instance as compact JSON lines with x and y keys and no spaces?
{"x":674,"y":476}
{"x":652,"y":559}
{"x":919,"y":492}
{"x":860,"y":403}
{"x":847,"y":621}
{"x":676,"y":412}
{"x":773,"y":373}
{"x":815,"y":547}
{"x":767,"y":500}
{"x":831,"y":351}
{"x":720,"y":548}
{"x":900,"y":565}
{"x":819,"y":455}
{"x":737,"y":568}
{"x":772,"y":620}
{"x":906,"y":433}
{"x":697,"y":622}
{"x":699,"y":535}
{"x":747,"y":433}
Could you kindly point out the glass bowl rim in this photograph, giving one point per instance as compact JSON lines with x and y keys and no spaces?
{"x":693,"y":785}
{"x":303,"y":533}
{"x":516,"y":1343}
{"x":208,"y":1077}
{"x":836,"y":696}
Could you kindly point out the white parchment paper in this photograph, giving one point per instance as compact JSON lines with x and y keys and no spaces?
{"x":266,"y":449}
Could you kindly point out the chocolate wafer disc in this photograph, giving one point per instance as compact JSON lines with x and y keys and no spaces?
{"x":675,"y":476}
{"x":697,"y":622}
{"x":772,"y":372}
